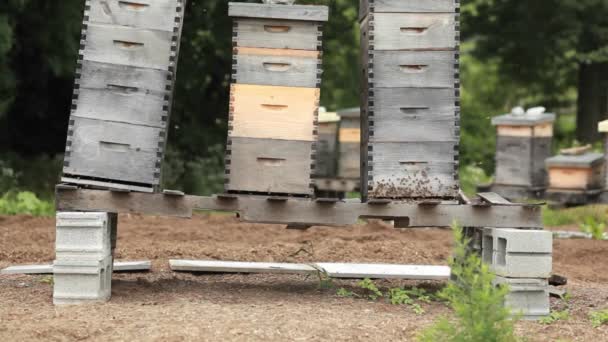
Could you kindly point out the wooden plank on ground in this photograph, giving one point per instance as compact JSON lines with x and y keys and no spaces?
{"x":334,"y":270}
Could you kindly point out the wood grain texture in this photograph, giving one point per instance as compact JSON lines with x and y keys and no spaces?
{"x":349,"y":162}
{"x":414,"y":31}
{"x":413,"y":170}
{"x":270,"y":11}
{"x":514,"y":160}
{"x":270,"y":166}
{"x":128,"y":46}
{"x":286,"y":71}
{"x":277,"y":52}
{"x":277,"y":34}
{"x":327,"y":150}
{"x":112,"y":150}
{"x":401,"y":6}
{"x":365,"y":107}
{"x":422,"y":69}
{"x":146,"y":14}
{"x":576,"y":178}
{"x":96,"y":75}
{"x":273,"y":112}
{"x":541,"y":150}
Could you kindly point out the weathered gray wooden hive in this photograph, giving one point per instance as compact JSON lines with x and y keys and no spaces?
{"x":122,"y":94}
{"x":349,"y":136}
{"x":576,"y":172}
{"x":326,"y":163}
{"x":603,"y":128}
{"x":410,"y":99}
{"x":523,"y":142}
{"x":274,"y":98}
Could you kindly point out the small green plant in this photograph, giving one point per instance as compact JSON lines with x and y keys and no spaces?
{"x":47,"y":280}
{"x":325,"y":281}
{"x":479,"y":311}
{"x":599,"y":318}
{"x":24,"y":203}
{"x":593,"y":227}
{"x":555,"y":316}
{"x":342,"y":292}
{"x":399,"y":296}
{"x":418,"y":310}
{"x":372,"y":290}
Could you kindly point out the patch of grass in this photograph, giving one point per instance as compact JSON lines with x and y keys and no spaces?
{"x":47,"y":280}
{"x":555,"y":316}
{"x":342,"y":292}
{"x":25,"y":202}
{"x":578,"y":215}
{"x":599,"y":318}
{"x":479,"y":311}
{"x":593,"y":227}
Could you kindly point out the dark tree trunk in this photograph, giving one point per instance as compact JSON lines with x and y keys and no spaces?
{"x":592,"y":100}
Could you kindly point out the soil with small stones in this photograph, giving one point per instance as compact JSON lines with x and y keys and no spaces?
{"x":165,"y":306}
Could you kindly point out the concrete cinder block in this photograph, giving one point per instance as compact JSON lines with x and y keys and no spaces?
{"x":79,"y":281}
{"x":528,"y":297}
{"x":518,"y":253}
{"x":85,"y":235}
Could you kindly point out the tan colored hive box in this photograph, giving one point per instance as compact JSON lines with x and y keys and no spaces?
{"x":582,"y":172}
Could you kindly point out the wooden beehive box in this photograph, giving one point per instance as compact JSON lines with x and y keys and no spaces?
{"x":122,"y":94}
{"x":327,"y":146}
{"x":576,"y":172}
{"x":274,"y":98}
{"x":603,"y":128}
{"x":410,"y":112}
{"x":523,"y":142}
{"x":349,"y":136}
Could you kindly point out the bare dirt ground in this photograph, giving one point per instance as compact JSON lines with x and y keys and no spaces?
{"x":167,"y":306}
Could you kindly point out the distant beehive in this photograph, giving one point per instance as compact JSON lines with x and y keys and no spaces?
{"x":410,"y":106}
{"x":603,"y":128}
{"x":326,"y":165}
{"x":274,"y":98}
{"x":122,"y":95}
{"x":576,"y":172}
{"x":349,"y":136}
{"x":523,"y":143}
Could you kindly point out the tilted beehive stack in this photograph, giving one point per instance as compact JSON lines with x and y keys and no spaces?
{"x":274,"y":98}
{"x":410,"y":112}
{"x":523,"y":142}
{"x":122,"y":95}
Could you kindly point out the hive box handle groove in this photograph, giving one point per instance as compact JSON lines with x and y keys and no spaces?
{"x":413,"y":68}
{"x":414,"y":30}
{"x":133,"y":6}
{"x":279,"y":67}
{"x":277,"y":28}
{"x":271,"y":161}
{"x":128,"y":45}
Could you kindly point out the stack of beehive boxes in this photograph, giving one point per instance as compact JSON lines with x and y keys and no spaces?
{"x":274,"y":98}
{"x":581,"y":172}
{"x":523,"y":142}
{"x":83,"y":264}
{"x":122,"y":97}
{"x":603,"y":128}
{"x":349,"y":137}
{"x":410,"y":112}
{"x":521,"y":259}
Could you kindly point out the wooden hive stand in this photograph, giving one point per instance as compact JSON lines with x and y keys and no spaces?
{"x":523,"y":142}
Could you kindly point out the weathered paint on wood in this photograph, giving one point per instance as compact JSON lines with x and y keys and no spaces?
{"x":420,"y":69}
{"x":540,"y":130}
{"x":277,"y":52}
{"x":277,"y":70}
{"x":576,"y":178}
{"x":145,"y":14}
{"x":270,"y":166}
{"x":128,"y":46}
{"x":96,"y":75}
{"x":273,"y":112}
{"x":401,"y":6}
{"x":349,"y":162}
{"x":414,"y":31}
{"x":277,"y":34}
{"x":270,"y":11}
{"x":326,"y":152}
{"x":112,"y":150}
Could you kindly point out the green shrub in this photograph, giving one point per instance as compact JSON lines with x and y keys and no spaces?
{"x":478,"y":305}
{"x":555,"y":316}
{"x":599,"y":318}
{"x":593,"y":227}
{"x":470,"y":177}
{"x":373,"y":292}
{"x":578,"y":215}
{"x":25,"y":202}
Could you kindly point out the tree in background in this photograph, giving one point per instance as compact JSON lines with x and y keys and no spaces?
{"x":548,"y":46}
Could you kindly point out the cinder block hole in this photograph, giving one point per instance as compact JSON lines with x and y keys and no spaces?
{"x":102,"y":276}
{"x":501,"y":257}
{"x":488,"y":248}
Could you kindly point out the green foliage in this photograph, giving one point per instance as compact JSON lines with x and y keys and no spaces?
{"x":372,"y":291}
{"x":593,"y":227}
{"x":38,"y":175}
{"x":470,"y":177}
{"x":577,"y":215}
{"x":398,"y":296}
{"x":599,"y":318}
{"x":478,"y":305}
{"x":555,"y":316}
{"x":25,"y":203}
{"x":342,"y":292}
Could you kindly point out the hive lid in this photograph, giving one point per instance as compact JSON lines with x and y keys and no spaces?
{"x":583,"y":160}
{"x":328,"y":117}
{"x":348,"y":113}
{"x":522,"y":120}
{"x":271,"y":11}
{"x":603,"y":126}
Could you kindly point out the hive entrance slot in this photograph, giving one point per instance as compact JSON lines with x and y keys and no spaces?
{"x":277,"y":28}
